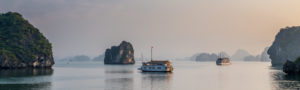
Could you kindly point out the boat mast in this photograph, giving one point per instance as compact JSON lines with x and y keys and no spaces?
{"x":142,"y":57}
{"x":151,"y":53}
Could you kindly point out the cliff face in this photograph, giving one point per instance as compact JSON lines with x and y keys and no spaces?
{"x":286,"y":46}
{"x":122,"y":54}
{"x":22,"y":45}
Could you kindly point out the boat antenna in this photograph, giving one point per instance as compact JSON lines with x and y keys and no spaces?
{"x":151,"y":52}
{"x":142,"y":57}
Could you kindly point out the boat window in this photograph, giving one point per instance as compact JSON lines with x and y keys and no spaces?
{"x":149,"y":67}
{"x":144,"y":67}
{"x":158,"y":67}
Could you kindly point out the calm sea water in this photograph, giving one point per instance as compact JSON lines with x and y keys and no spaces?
{"x":187,"y":75}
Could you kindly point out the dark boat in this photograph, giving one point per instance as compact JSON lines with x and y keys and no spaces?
{"x":223,"y":61}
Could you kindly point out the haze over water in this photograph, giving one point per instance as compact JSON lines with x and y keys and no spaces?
{"x":177,"y":28}
{"x":188,"y":75}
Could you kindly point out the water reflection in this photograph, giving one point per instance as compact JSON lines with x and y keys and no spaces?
{"x":119,"y":79}
{"x":37,"y":86}
{"x":119,"y":84}
{"x":156,"y":80}
{"x":29,"y":72}
{"x":284,"y":81}
{"x":118,"y":71}
{"x":25,"y":79}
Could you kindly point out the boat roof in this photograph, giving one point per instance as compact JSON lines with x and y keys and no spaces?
{"x":159,"y":61}
{"x":224,"y":58}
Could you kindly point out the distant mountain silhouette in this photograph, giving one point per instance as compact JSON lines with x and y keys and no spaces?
{"x":209,"y":57}
{"x":99,"y":58}
{"x":240,"y":54}
{"x":76,"y":58}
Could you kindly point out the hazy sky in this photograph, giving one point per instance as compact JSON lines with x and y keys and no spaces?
{"x":176,"y":28}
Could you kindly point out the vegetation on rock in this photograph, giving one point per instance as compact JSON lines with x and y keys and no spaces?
{"x":22,"y":45}
{"x":290,"y":67}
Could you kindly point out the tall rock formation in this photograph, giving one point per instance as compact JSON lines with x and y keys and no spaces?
{"x":286,"y":46}
{"x":122,"y":54}
{"x":21,"y":44}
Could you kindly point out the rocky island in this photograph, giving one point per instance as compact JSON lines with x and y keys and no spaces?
{"x":122,"y":54}
{"x":286,"y":46}
{"x":22,"y":45}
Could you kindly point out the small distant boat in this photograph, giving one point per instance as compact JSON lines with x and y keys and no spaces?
{"x":156,"y":65}
{"x":223,"y":60}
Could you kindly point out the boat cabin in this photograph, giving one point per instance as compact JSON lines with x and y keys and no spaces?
{"x":156,"y":62}
{"x":157,"y":65}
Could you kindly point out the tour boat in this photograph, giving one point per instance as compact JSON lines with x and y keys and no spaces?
{"x":156,"y":65}
{"x":223,"y":61}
